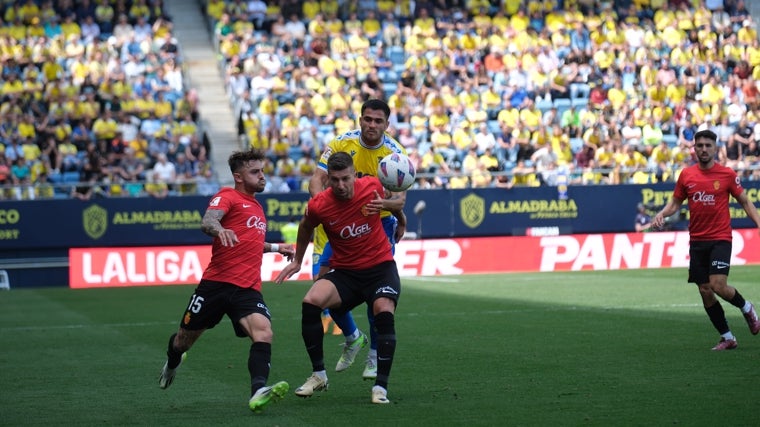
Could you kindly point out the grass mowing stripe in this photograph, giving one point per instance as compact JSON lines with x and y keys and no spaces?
{"x":580,"y":348}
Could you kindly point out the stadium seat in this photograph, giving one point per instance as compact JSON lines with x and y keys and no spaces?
{"x":397,"y":55}
{"x":494,"y":127}
{"x":388,"y":76}
{"x":325,"y":129}
{"x":389,"y":89}
{"x":579,"y":103}
{"x":562,"y":105}
{"x":403,"y":125}
{"x":544,"y":105}
{"x":55,"y":177}
{"x":576,"y":144}
{"x":295,"y":153}
{"x":671,"y":140}
{"x":70,"y":177}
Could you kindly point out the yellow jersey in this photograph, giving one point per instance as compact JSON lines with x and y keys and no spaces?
{"x":365,"y":158}
{"x":365,"y":163}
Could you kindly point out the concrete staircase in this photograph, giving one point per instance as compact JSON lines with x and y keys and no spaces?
{"x":202,"y":73}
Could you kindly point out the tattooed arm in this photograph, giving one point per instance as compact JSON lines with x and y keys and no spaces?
{"x":212,"y":226}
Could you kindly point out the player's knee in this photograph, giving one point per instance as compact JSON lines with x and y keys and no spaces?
{"x":385,"y":324}
{"x":310,"y":313}
{"x":263,"y":335}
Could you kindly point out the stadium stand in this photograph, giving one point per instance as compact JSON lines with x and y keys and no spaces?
{"x":573,"y":75}
{"x":583,"y":66}
{"x":91,"y":92}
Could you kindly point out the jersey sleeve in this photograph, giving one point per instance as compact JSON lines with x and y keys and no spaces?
{"x":312,"y":208}
{"x":220,"y":203}
{"x":330,"y":148}
{"x":679,"y":193}
{"x":735,"y":186}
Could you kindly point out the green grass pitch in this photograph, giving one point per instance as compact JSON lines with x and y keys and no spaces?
{"x":583,"y":348}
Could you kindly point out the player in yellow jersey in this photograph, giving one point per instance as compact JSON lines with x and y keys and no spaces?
{"x":367,"y":146}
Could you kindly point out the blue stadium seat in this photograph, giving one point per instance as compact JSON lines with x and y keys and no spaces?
{"x":562,"y":105}
{"x":388,"y":76}
{"x":544,"y":105}
{"x":70,"y":177}
{"x":55,"y":177}
{"x":403,"y":125}
{"x":397,"y":55}
{"x":494,"y":127}
{"x":295,"y":153}
{"x":389,"y":89}
{"x":576,"y":144}
{"x":325,"y":129}
{"x":671,"y":140}
{"x":579,"y":103}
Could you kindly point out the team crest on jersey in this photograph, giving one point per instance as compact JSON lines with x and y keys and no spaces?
{"x":364,"y":210}
{"x":716,"y":184}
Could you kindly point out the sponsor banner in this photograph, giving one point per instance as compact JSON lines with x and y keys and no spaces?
{"x":139,"y":222}
{"x":170,"y":265}
{"x":560,"y":253}
{"x":586,"y":209}
{"x":109,"y":267}
{"x":62,"y":224}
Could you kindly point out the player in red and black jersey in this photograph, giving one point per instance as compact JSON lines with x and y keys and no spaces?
{"x":362,"y":267}
{"x":231,"y":284}
{"x":707,"y":186}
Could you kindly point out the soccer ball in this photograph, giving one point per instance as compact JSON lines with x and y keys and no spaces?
{"x":396,"y":172}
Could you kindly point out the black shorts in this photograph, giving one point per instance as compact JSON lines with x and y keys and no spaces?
{"x":358,"y":286}
{"x":708,"y":258}
{"x":212,"y":300}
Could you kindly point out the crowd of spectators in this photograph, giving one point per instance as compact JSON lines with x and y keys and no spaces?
{"x":497,"y":93}
{"x":93,"y":102}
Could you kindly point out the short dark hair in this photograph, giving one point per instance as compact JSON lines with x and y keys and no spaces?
{"x":339,"y":161}
{"x":238,"y":159}
{"x":377,"y":104}
{"x":706,"y":133}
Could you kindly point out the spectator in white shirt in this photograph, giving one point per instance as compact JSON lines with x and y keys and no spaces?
{"x":143,"y":30}
{"x":133,"y":67}
{"x":484,"y":139}
{"x":164,"y":169}
{"x":257,"y":13}
{"x":90,"y":30}
{"x":261,"y":84}
{"x":123,"y":30}
{"x":296,"y":28}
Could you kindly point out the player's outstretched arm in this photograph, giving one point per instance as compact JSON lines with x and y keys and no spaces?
{"x":284,"y":249}
{"x":305,"y":231}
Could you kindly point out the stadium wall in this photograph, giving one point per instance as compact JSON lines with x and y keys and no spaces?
{"x":35,"y":236}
